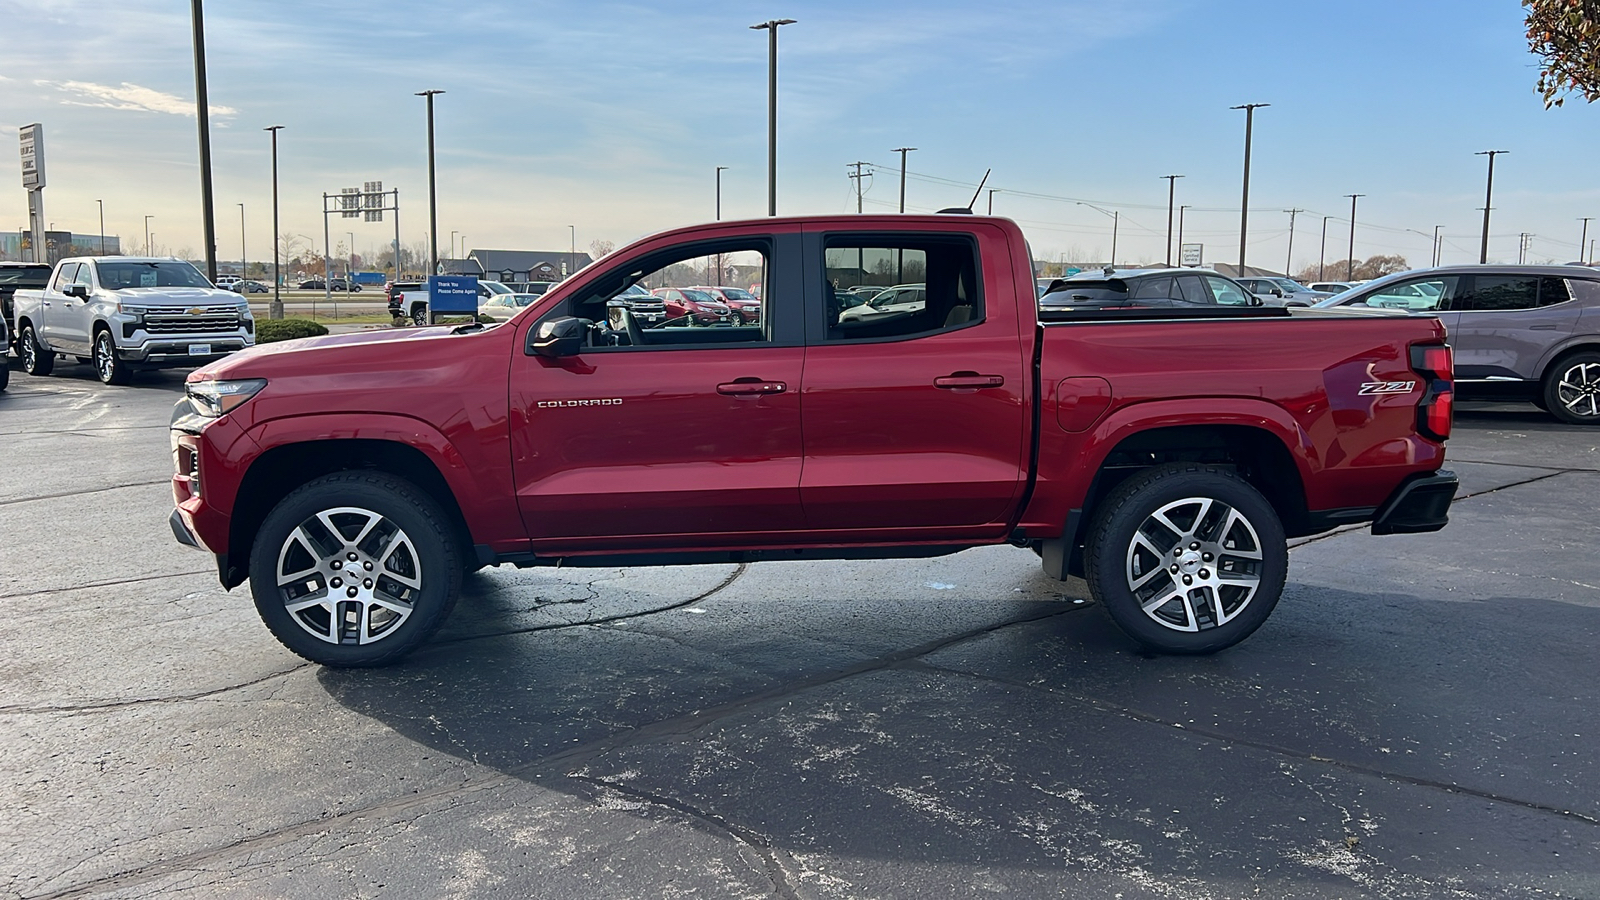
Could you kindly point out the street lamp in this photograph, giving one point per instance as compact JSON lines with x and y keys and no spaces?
{"x":147,"y":234}
{"x":1438,"y":247}
{"x":719,"y":192}
{"x":103,"y":229}
{"x":1350,"y":263}
{"x":244,"y":255}
{"x":1172,"y":183}
{"x":1584,"y":239}
{"x":1488,"y":194}
{"x":1244,"y":204}
{"x":275,"y":309}
{"x":992,"y":192}
{"x":572,"y":254}
{"x":453,"y":245}
{"x":1116,"y":221}
{"x":350,"y":267}
{"x":771,"y":27}
{"x":903,"y":151}
{"x":433,"y":199}
{"x":1322,"y":251}
{"x":1180,"y":233}
{"x":203,"y":115}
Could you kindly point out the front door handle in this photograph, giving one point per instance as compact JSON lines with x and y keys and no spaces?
{"x":744,"y":387}
{"x":957,"y":381}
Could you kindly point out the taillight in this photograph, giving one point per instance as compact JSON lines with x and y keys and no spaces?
{"x":1436,"y":364}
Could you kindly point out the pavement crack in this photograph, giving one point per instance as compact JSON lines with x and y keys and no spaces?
{"x":99,"y":584}
{"x":758,"y":843}
{"x":84,"y":493}
{"x":1268,"y":747}
{"x":106,"y":705}
{"x":1519,"y":483}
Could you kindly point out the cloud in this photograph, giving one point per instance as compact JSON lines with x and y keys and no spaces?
{"x":129,"y":96}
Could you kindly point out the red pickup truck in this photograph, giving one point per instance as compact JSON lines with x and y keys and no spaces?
{"x":1164,"y":454}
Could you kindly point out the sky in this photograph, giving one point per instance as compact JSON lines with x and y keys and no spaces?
{"x":610,"y":118}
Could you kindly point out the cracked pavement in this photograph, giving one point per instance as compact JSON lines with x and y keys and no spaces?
{"x":1416,"y":719}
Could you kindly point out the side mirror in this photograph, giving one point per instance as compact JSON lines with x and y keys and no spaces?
{"x":559,"y":337}
{"x":77,"y":290}
{"x":1257,"y":301}
{"x":1277,"y":292}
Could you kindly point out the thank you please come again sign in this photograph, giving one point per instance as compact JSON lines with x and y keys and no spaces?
{"x":453,"y":293}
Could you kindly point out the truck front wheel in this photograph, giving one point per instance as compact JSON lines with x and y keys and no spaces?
{"x":355,"y":569}
{"x":36,"y":360}
{"x":107,"y":366}
{"x":1187,"y":558}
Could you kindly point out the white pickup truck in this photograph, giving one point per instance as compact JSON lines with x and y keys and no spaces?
{"x":124,"y":312}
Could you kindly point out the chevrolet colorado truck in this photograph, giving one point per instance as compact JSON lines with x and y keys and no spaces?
{"x":1165,"y":455}
{"x":125,"y":312}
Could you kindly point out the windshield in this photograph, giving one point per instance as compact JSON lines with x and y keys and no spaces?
{"x":700,"y":297}
{"x":25,"y":276}
{"x":633,"y":290}
{"x":495,"y":287}
{"x":1086,"y":291}
{"x":172,"y":273}
{"x":1289,"y":285}
{"x":738,"y":294}
{"x":522,"y":299}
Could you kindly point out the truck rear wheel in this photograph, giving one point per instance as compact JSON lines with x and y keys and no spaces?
{"x":1187,"y":558}
{"x":355,"y":569}
{"x":419,"y":314}
{"x":1571,"y":389}
{"x":36,"y":360}
{"x":107,"y":366}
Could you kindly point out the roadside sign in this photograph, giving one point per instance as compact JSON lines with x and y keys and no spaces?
{"x":453,"y":293}
{"x":1190,"y":255}
{"x":32,"y":156}
{"x":1070,"y":271}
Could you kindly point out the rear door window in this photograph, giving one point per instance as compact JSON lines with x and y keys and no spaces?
{"x":1553,"y":291}
{"x":1153,"y":289}
{"x":1226,"y":292}
{"x":1191,"y":289}
{"x":1500,"y":293}
{"x":1420,"y":295}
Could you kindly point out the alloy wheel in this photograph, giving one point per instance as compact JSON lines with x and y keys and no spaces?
{"x":1579,"y":389}
{"x":348,"y":575}
{"x":1194,"y":564}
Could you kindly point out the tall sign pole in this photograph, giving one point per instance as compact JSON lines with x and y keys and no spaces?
{"x":202,"y":112}
{"x":1488,"y":197}
{"x":32,"y":137}
{"x":903,"y":151}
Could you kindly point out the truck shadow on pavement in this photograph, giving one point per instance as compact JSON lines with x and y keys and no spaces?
{"x":1386,"y":735}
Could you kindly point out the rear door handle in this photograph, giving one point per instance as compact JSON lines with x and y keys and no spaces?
{"x":744,"y":387}
{"x":956,"y":381}
{"x":1541,"y":328}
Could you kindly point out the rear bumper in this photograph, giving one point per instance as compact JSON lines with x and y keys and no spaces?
{"x":1421,"y":504}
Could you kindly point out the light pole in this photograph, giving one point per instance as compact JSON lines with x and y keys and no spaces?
{"x":202,"y":113}
{"x":103,"y":229}
{"x":453,"y":245}
{"x":1350,"y":264}
{"x":1172,"y":184}
{"x":1581,"y":241}
{"x":1437,"y":247}
{"x":350,"y":267}
{"x":572,"y":253}
{"x":244,"y":254}
{"x":1116,"y":221}
{"x":275,"y":309}
{"x":719,"y":192}
{"x":1289,"y":262}
{"x":147,"y":234}
{"x":992,"y":192}
{"x":1322,"y":251}
{"x":1244,"y":204}
{"x":903,"y":151}
{"x":1488,"y":195}
{"x":433,"y":199}
{"x":771,"y":27}
{"x":1180,"y":233}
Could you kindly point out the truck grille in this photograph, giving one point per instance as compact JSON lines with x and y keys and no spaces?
{"x":212,"y":319}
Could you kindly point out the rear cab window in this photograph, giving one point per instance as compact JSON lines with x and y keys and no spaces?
{"x":935,"y":285}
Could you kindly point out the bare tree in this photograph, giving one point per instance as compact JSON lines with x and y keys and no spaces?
{"x":1565,"y":35}
{"x":599,"y":248}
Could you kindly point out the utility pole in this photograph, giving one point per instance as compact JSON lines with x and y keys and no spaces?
{"x":719,"y":192}
{"x":1436,"y":244}
{"x":857,"y":176}
{"x":1522,"y":247}
{"x":1180,"y":232}
{"x":903,"y":151}
{"x":992,"y":192}
{"x":1581,"y":240}
{"x":203,"y":114}
{"x":433,"y":199}
{"x":1488,"y":196}
{"x":146,"y":235}
{"x":1350,"y":264}
{"x":244,"y":253}
{"x":771,"y":27}
{"x":1244,"y":204}
{"x":1322,"y":253}
{"x":102,"y":204}
{"x":1172,"y":182}
{"x":1288,"y":265}
{"x":275,"y":310}
{"x":572,"y":252}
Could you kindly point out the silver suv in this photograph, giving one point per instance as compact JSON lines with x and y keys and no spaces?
{"x":1519,"y":332}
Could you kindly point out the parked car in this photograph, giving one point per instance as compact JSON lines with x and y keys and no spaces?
{"x":739,"y":300}
{"x":1150,"y":455}
{"x":226,"y":282}
{"x":1523,"y":333}
{"x":249,"y":287}
{"x":646,"y":308}
{"x":898,"y":301}
{"x":1148,"y":288}
{"x":409,"y":299}
{"x":503,"y":305}
{"x":124,"y":313}
{"x":1287,"y":290}
{"x":694,"y":307}
{"x":1332,"y":287}
{"x":15,"y":276}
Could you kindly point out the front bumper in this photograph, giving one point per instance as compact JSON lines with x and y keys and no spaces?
{"x":175,"y":351}
{"x":1420,"y":504}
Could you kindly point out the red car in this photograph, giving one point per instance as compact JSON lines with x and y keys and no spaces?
{"x":1165,"y":454}
{"x":694,"y":307}
{"x":741,"y":301}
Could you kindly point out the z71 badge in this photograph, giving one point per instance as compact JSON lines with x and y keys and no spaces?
{"x":1388,"y":387}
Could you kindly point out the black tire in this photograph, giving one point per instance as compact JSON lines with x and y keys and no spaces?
{"x":1571,"y":389}
{"x":1113,"y":559}
{"x":36,"y":360}
{"x":430,"y":555}
{"x":419,"y":314}
{"x":5,"y":372}
{"x":109,"y":367}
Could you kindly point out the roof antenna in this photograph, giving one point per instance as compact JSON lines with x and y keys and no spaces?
{"x":967,"y":210}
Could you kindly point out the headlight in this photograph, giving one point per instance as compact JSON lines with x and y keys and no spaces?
{"x":137,"y":312}
{"x":215,"y":398}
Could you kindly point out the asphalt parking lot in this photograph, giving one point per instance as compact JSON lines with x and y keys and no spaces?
{"x":1418,"y":718}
